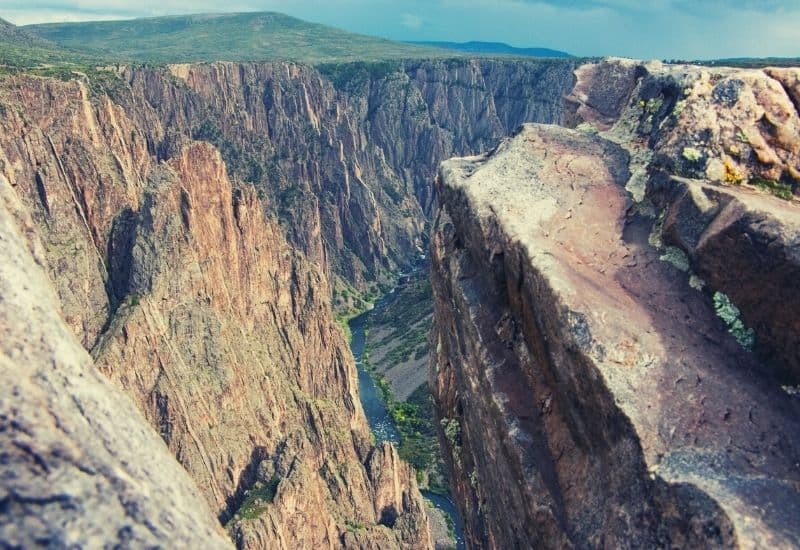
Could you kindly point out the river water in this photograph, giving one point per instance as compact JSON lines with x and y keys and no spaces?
{"x":378,"y":416}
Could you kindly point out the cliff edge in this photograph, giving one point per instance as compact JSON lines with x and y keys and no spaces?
{"x":590,"y":395}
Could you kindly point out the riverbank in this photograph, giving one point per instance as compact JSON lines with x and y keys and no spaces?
{"x":397,"y":341}
{"x":396,"y":354}
{"x":407,"y":424}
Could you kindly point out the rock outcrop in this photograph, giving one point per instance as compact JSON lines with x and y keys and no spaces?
{"x":716,"y":144}
{"x":585,"y":376}
{"x":80,"y":467}
{"x":590,"y":396}
{"x":730,"y":126}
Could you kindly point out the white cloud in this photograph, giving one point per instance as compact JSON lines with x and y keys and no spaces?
{"x":410,"y":21}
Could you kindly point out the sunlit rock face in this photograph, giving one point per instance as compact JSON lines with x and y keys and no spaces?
{"x":182,"y":285}
{"x":81,"y":466}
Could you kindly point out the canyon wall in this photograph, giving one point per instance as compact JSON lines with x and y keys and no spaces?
{"x":604,"y":366}
{"x":184,"y":289}
{"x":345,"y":155}
{"x":80,"y":465}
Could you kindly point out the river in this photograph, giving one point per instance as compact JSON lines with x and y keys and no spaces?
{"x":378,"y":415}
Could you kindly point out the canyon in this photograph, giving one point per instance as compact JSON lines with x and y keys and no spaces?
{"x":185,"y":236}
{"x":195,"y":220}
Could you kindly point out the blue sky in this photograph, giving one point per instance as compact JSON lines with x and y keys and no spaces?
{"x":694,"y":29}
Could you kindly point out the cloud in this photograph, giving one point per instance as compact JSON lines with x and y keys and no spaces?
{"x":413,"y":22}
{"x":706,"y":6}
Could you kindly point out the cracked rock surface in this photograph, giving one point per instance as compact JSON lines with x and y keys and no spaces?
{"x":590,"y":396}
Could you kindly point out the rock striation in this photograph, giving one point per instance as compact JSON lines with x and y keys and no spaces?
{"x":80,"y":467}
{"x":345,"y":154}
{"x":194,"y":220}
{"x":182,"y":286}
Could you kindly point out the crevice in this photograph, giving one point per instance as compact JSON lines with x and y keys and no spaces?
{"x":247,"y":478}
{"x":795,"y":100}
{"x":119,"y":252}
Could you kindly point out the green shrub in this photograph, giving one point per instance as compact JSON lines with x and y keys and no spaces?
{"x":676,"y":257}
{"x":258,"y":497}
{"x":728,"y":312}
{"x":353,"y":526}
{"x":691,"y":154}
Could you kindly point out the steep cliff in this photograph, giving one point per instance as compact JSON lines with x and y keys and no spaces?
{"x":80,"y":465}
{"x":184,"y":289}
{"x":344,"y":155}
{"x":591,"y":365}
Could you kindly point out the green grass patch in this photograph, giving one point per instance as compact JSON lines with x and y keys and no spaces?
{"x":356,"y":77}
{"x":258,"y":498}
{"x":451,"y":526}
{"x":413,"y":344}
{"x":344,"y":317}
{"x":354,"y":526}
{"x":779,"y":189}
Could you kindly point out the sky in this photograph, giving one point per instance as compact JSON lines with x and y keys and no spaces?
{"x":655,"y":29}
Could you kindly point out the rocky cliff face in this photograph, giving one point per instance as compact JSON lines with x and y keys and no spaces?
{"x":345,"y":155}
{"x":595,"y":300}
{"x":80,"y":465}
{"x":184,"y":289}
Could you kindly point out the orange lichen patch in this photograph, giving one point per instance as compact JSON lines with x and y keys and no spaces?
{"x":733,"y":174}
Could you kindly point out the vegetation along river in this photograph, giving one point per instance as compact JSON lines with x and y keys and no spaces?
{"x":379,"y":416}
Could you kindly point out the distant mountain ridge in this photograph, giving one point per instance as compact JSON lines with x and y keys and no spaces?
{"x":488,"y":48}
{"x":22,"y":49}
{"x":12,"y":34}
{"x":237,"y":37}
{"x":252,"y":36}
{"x":752,"y":62}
